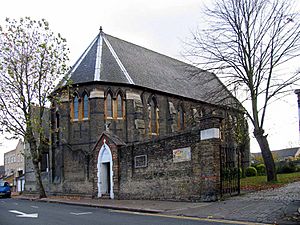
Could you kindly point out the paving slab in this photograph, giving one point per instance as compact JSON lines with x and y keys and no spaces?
{"x":151,"y":206}
{"x":273,"y":206}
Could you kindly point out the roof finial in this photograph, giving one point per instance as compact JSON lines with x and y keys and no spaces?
{"x":100,"y":29}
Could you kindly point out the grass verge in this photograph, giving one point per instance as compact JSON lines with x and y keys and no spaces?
{"x":260,"y":182}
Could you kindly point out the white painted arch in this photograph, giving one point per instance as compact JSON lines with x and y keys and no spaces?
{"x":105,"y":156}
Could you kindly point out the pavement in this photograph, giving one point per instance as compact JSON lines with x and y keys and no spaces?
{"x":273,"y":206}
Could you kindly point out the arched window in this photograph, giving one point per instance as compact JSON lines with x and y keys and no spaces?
{"x":109,"y":105}
{"x":181,"y":122}
{"x":120,"y":106}
{"x":153,"y":116}
{"x":75,"y":107}
{"x":85,"y":106}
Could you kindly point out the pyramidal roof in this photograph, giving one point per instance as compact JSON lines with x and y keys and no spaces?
{"x":109,"y":59}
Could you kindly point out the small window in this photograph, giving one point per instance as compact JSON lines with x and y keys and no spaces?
{"x":140,"y":161}
{"x":75,"y":106}
{"x":85,"y":106}
{"x":153,"y":116}
{"x":181,"y":122}
{"x":120,"y":106}
{"x":44,"y":162}
{"x":109,"y":106}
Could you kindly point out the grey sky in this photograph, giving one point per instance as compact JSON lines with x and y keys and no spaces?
{"x":160,"y":25}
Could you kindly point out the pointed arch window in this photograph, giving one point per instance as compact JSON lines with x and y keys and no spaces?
{"x":153,"y":116}
{"x":85,"y":106}
{"x":120,"y":106}
{"x":181,"y":119}
{"x":109,"y":105}
{"x":75,"y":107}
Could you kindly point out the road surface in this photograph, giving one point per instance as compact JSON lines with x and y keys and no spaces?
{"x":24,"y":212}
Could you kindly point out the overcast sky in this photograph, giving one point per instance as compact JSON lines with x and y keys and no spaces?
{"x":160,"y":25}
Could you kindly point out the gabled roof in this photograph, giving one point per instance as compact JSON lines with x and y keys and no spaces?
{"x":112,"y":137}
{"x":109,"y":59}
{"x":287,"y":152}
{"x":284,"y":153}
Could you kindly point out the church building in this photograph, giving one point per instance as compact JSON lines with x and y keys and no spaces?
{"x":131,"y":123}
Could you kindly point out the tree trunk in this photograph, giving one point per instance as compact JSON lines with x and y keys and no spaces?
{"x":266,"y":154}
{"x":40,"y":186}
{"x":35,"y":158}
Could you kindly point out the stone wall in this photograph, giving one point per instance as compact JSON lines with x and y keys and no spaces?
{"x":72,"y":155}
{"x":165,"y":178}
{"x":133,"y":128}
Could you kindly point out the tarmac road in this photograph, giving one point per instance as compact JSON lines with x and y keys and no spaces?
{"x":23,"y":212}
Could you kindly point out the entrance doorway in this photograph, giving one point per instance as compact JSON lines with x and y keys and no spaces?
{"x":105,"y":178}
{"x":105,"y":172}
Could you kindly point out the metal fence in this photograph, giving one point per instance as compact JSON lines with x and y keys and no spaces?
{"x":230,"y":171}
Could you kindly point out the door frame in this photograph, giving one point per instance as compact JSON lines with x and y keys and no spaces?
{"x":105,"y":148}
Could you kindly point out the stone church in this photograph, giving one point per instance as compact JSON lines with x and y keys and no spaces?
{"x":131,"y":123}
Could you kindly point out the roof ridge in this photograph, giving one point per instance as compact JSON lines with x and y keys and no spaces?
{"x":77,"y":63}
{"x":111,"y":59}
{"x":122,"y":67}
{"x":166,"y":56}
{"x":98,"y":57}
{"x":284,"y":149}
{"x":177,"y":60}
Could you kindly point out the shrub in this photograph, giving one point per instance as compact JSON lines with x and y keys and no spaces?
{"x":251,"y":172}
{"x":242,"y":172}
{"x":286,"y":167}
{"x":261,"y":169}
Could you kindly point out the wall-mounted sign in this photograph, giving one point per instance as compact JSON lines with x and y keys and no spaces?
{"x":210,"y":133}
{"x":182,"y":155}
{"x":140,"y":161}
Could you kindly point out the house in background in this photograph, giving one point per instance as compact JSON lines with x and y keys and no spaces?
{"x":2,"y":171}
{"x":280,"y":155}
{"x":29,"y":174}
{"x":287,"y":154}
{"x":14,"y":167}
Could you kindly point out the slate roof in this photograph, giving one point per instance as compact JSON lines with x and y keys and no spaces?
{"x":114,"y":138}
{"x":284,"y":153}
{"x":110,"y":59}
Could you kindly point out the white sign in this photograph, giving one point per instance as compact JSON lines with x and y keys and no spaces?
{"x":210,"y":133}
{"x":182,"y":155}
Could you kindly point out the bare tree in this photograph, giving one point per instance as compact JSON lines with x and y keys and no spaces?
{"x":247,"y":43}
{"x":31,"y":59}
